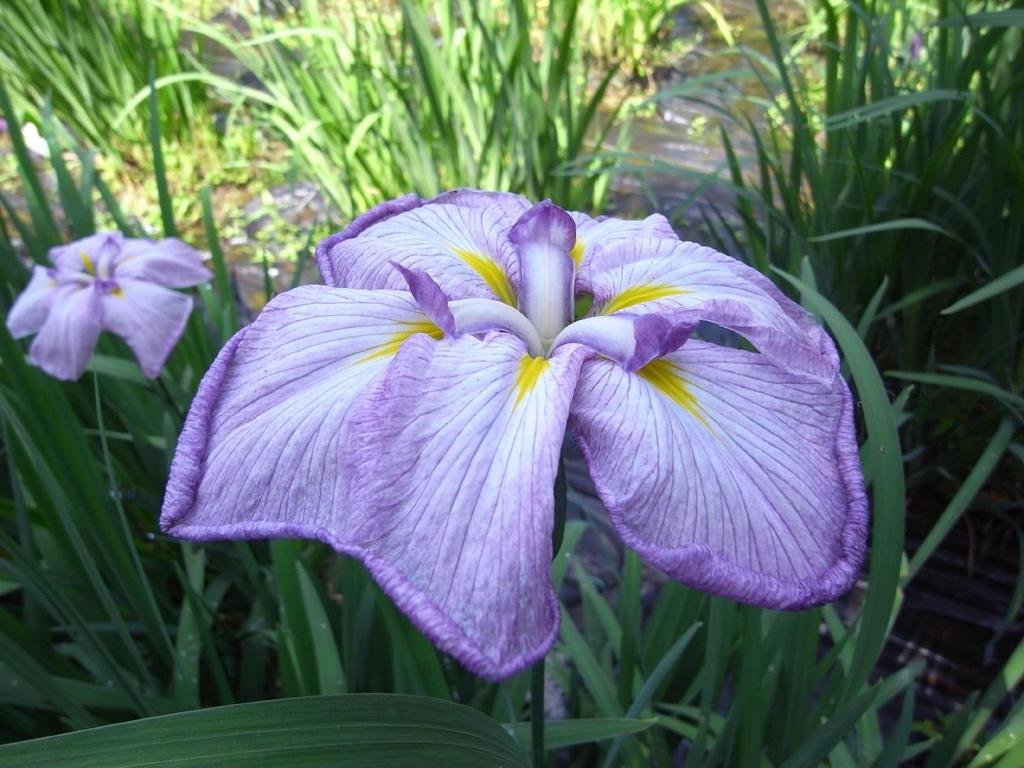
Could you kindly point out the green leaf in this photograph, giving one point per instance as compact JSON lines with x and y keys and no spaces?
{"x":1013,"y":402}
{"x":891,"y":104}
{"x":188,"y":644}
{"x":159,"y":168}
{"x":975,"y":480}
{"x":1007,"y":18}
{"x":893,"y":753}
{"x":1004,"y":740}
{"x":568,"y":733}
{"x":116,"y":367}
{"x":883,"y":226}
{"x":597,"y":681}
{"x":650,"y":686}
{"x":362,"y":730}
{"x":1004,"y":282}
{"x":887,"y":482}
{"x":1013,"y":758}
{"x":829,"y":734}
{"x":330,"y":675}
{"x":1000,"y":688}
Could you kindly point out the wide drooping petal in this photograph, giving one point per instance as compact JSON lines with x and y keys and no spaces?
{"x":149,"y":318}
{"x":29,"y":311}
{"x":464,"y":248}
{"x":728,"y":472}
{"x":693,"y":282}
{"x":167,"y":262}
{"x":261,"y":451}
{"x":68,"y":337}
{"x":453,"y":460}
{"x":86,"y":254}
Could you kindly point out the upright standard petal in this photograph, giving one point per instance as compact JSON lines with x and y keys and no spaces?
{"x":507,"y":204}
{"x":728,"y":472}
{"x":68,"y":337}
{"x":167,"y":262}
{"x":596,"y":238}
{"x":325,"y":247}
{"x":29,"y":311}
{"x":453,"y":458}
{"x":149,"y":318}
{"x":86,"y":254}
{"x":693,"y":282}
{"x":261,"y":451}
{"x":464,"y":249}
{"x":543,"y":237}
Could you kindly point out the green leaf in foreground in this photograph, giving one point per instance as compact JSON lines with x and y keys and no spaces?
{"x":362,"y":730}
{"x":569,"y":733}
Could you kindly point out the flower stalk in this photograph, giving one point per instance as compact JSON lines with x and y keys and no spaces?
{"x":537,"y":713}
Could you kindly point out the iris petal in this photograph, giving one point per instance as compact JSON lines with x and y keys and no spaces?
{"x":261,"y":451}
{"x":167,"y":262}
{"x":68,"y":337}
{"x":596,"y":240}
{"x":543,"y":237}
{"x":454,"y":457}
{"x":429,"y":296}
{"x":691,"y":282}
{"x":630,"y":340}
{"x":508,"y":205}
{"x":149,"y":318}
{"x":464,"y":248}
{"x":728,"y":472}
{"x":85,"y":255}
{"x":384,"y":211}
{"x":29,"y":311}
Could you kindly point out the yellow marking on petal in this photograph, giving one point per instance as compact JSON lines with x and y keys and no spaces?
{"x":639,"y":294}
{"x":390,"y":347}
{"x":490,"y":271}
{"x":668,"y":379}
{"x":87,"y":264}
{"x":576,"y":254}
{"x":119,"y":292}
{"x":530,"y":371}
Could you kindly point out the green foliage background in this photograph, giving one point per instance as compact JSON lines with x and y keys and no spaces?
{"x":883,"y":189}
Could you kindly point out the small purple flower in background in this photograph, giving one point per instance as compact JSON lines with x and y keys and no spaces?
{"x":411,"y":413}
{"x":916,"y":46}
{"x":105,"y":282}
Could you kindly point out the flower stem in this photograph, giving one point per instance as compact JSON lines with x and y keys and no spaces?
{"x":537,"y":671}
{"x":537,"y":712}
{"x":561,"y":504}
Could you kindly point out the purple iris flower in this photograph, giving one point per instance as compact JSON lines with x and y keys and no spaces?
{"x":411,"y":413}
{"x":916,"y":46}
{"x":107,"y":282}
